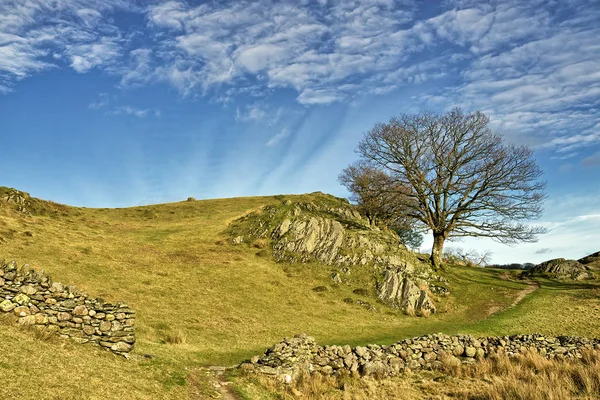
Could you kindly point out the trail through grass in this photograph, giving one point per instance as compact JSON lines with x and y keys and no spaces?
{"x":203,"y":301}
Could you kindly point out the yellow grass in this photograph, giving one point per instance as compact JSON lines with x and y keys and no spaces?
{"x":202,"y":301}
{"x":526,"y":377}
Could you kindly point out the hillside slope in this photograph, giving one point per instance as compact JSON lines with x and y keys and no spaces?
{"x":201,"y":300}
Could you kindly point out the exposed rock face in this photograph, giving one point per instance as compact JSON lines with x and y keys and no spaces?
{"x":561,"y":269}
{"x":331,"y":231}
{"x":400,"y":291}
{"x":20,"y":200}
{"x":316,"y":237}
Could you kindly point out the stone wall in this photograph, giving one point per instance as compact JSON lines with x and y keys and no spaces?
{"x":290,"y":356}
{"x":35,"y":299}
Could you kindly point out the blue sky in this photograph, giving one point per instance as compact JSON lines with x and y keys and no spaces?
{"x":116,"y":103}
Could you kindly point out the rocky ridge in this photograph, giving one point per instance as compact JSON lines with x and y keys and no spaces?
{"x":561,"y":268}
{"x":331,"y":231}
{"x":291,"y":356}
{"x":592,"y":261}
{"x":22,"y":202}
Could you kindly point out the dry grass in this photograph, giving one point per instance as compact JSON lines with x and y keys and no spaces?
{"x":526,"y":377}
{"x":177,"y":337}
{"x":202,"y":301}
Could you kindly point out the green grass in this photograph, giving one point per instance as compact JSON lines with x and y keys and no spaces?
{"x":170,"y":263}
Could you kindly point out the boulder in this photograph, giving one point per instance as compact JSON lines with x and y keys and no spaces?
{"x":561,"y":268}
{"x":398,"y":290}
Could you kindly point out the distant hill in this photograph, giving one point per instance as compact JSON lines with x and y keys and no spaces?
{"x":592,"y":261}
{"x":202,"y":300}
{"x":561,"y":268}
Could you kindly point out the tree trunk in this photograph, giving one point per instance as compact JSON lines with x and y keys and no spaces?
{"x":436,"y":251}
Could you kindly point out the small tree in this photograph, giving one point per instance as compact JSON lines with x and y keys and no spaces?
{"x":376,"y":194}
{"x":410,"y":237}
{"x":460,"y":178}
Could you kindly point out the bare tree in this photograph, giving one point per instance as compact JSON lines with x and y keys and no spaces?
{"x":381,"y":199}
{"x":377,"y":195}
{"x":468,"y":257}
{"x":460,"y":177}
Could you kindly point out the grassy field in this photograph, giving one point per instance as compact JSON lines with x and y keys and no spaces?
{"x":203,"y":301}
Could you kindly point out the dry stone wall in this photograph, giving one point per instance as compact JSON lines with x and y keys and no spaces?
{"x":35,"y":299}
{"x":289,"y":357}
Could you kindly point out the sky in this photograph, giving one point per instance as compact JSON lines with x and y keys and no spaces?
{"x":117,"y":103}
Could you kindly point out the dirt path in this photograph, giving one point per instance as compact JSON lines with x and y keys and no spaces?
{"x":211,"y":383}
{"x":532,"y":286}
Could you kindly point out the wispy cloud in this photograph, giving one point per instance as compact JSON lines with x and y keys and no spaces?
{"x":106,"y":104}
{"x":532,"y":67}
{"x":84,"y":57}
{"x":136,"y":112}
{"x":251,"y":112}
{"x":278,"y":137}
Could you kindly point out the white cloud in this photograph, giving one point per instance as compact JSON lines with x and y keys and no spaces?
{"x":319,"y":96}
{"x":252,"y":112}
{"x":103,"y":101}
{"x":533,"y":68}
{"x":136,"y":112}
{"x":86,"y":56}
{"x":33,"y":30}
{"x":278,"y":137}
{"x":106,"y":103}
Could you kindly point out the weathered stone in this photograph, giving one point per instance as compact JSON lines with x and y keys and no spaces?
{"x":105,"y":326}
{"x":7,"y":306}
{"x":121,"y":347}
{"x":41,"y":319}
{"x":21,"y":299}
{"x":399,"y":291}
{"x":470,"y":351}
{"x":63,"y":316}
{"x":80,"y":310}
{"x":361,"y":351}
{"x":29,"y":290}
{"x":56,"y":287}
{"x":479,"y":353}
{"x":22,"y":311}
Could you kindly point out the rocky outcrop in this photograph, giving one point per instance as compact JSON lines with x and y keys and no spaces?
{"x":22,"y":202}
{"x":331,"y":231}
{"x":19,"y":200}
{"x":560,"y":268}
{"x":301,"y":353}
{"x":398,"y":290}
{"x":314,"y":237}
{"x":35,"y":299}
{"x":592,"y":261}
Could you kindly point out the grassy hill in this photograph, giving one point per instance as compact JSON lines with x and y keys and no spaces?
{"x":202,"y":301}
